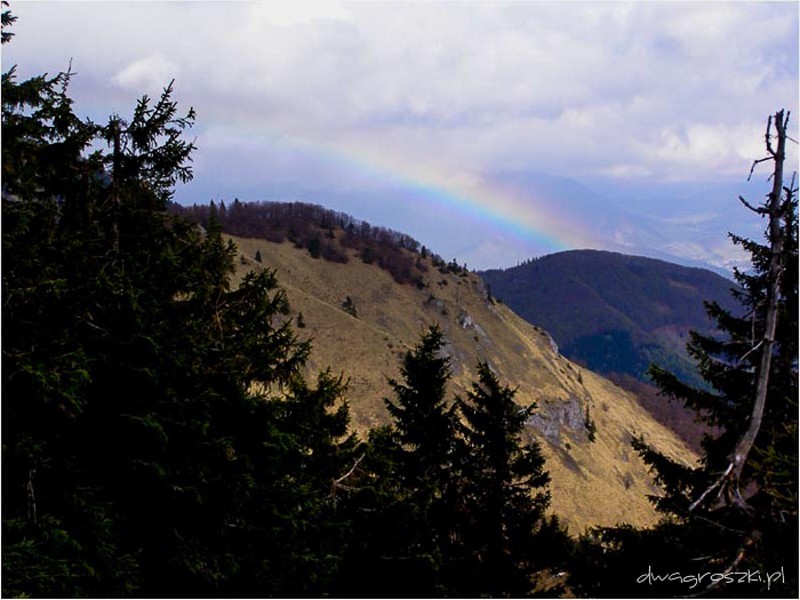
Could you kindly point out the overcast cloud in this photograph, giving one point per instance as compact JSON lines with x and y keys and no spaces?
{"x":320,"y":100}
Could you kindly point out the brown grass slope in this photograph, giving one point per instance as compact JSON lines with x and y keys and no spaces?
{"x":600,"y":482}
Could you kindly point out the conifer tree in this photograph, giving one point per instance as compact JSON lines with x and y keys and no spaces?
{"x":157,"y":436}
{"x":504,"y":495}
{"x":402,"y":514}
{"x":423,"y":420}
{"x":424,"y":426}
{"x":737,"y":511}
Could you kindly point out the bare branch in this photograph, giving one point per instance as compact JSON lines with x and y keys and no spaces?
{"x":755,"y":162}
{"x":759,"y":210}
{"x":738,"y":500}
{"x":719,"y":525}
{"x":32,"y":513}
{"x":749,"y":352}
{"x":767,"y":137}
{"x":337,"y":483}
{"x":791,"y":190}
{"x":717,"y":484}
{"x":741,"y":553}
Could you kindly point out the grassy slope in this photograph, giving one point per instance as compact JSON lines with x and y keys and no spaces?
{"x":599,"y":483}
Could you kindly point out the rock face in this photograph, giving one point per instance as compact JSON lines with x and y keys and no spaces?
{"x":555,"y":418}
{"x":596,"y":478}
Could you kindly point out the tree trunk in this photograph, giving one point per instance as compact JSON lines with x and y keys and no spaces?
{"x":776,"y":234}
{"x":116,"y":209}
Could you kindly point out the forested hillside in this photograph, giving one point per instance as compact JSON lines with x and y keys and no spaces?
{"x":613,"y":312}
{"x":311,"y":227}
{"x":361,"y":322}
{"x":618,"y":314}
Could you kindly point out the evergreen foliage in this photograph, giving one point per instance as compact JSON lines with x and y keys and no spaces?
{"x":704,"y":528}
{"x":424,"y":428}
{"x":425,"y":424}
{"x":504,"y":495}
{"x":470,"y":494}
{"x":350,"y":307}
{"x":157,"y":438}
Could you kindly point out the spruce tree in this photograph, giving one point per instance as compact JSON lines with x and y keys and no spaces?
{"x":402,"y":512}
{"x":158,"y":439}
{"x":424,"y":426}
{"x":424,"y":422}
{"x":720,"y":519}
{"x":504,"y":496}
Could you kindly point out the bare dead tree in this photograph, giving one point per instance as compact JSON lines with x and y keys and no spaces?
{"x":729,"y":482}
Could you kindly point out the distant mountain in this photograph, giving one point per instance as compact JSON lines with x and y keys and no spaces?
{"x":613,"y":312}
{"x":361,"y":316}
{"x":679,"y":223}
{"x":617,"y":314}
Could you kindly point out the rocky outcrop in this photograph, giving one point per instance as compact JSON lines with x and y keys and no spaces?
{"x":554,"y":417}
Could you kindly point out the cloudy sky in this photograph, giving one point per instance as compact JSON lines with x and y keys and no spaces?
{"x":490,"y":131}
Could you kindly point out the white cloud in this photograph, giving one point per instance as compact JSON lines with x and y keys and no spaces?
{"x":694,"y":219}
{"x":626,"y":89}
{"x":297,"y":12}
{"x":147,"y":74}
{"x":626,"y":171}
{"x":445,"y":92}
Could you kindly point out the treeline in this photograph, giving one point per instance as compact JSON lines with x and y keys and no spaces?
{"x":325,"y":233}
{"x":278,"y":221}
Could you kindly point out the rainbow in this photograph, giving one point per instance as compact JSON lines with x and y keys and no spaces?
{"x":508,"y":210}
{"x":512,"y":211}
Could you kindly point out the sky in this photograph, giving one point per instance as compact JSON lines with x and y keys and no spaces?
{"x":489,"y":131}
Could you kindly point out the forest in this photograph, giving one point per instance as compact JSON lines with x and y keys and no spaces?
{"x":312,"y":227}
{"x":159,"y":438}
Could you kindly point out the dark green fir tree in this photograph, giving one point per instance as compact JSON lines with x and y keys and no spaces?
{"x":403,"y":512}
{"x":157,"y":436}
{"x":507,"y":538}
{"x":729,"y":525}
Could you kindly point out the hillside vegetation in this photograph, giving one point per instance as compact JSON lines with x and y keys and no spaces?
{"x":361,"y":321}
{"x":619,"y":314}
{"x":311,"y":227}
{"x":613,"y":312}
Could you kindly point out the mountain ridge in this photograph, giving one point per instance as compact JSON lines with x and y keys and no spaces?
{"x":365,"y":339}
{"x":613,"y":311}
